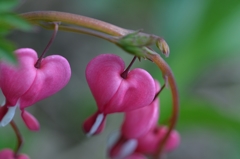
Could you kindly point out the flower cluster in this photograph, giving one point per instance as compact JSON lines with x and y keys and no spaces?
{"x":116,"y":89}
{"x":25,"y":84}
{"x":133,"y":93}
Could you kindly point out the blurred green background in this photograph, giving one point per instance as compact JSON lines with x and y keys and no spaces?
{"x":204,"y":39}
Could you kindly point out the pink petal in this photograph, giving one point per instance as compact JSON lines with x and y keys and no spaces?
{"x":113,"y":93}
{"x":139,"y":122}
{"x":30,"y":121}
{"x":51,"y":77}
{"x":103,"y":77}
{"x":149,"y":143}
{"x":16,"y":80}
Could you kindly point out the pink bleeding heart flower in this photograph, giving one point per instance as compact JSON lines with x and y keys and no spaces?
{"x":9,"y":154}
{"x":137,"y":123}
{"x":24,"y":84}
{"x":111,"y":91}
{"x":114,"y":93}
{"x":149,"y":143}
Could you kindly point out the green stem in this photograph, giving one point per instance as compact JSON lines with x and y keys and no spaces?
{"x":74,"y":19}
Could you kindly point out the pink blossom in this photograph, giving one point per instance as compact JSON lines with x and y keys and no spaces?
{"x":23,"y":85}
{"x":112,"y":92}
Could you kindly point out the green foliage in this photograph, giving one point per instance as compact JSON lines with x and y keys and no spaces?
{"x":8,"y":22}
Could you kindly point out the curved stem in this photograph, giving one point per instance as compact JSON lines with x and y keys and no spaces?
{"x":168,"y":75}
{"x":19,"y":137}
{"x":79,"y":30}
{"x":125,"y":73}
{"x":38,"y":63}
{"x":75,"y":19}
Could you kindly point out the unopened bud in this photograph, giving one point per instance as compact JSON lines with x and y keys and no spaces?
{"x":163,"y":46}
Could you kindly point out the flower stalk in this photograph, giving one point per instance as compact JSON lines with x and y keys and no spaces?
{"x":19,"y":137}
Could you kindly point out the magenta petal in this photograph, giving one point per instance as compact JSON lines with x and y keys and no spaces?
{"x":139,"y":122}
{"x":16,"y":80}
{"x":149,"y":143}
{"x":53,"y":74}
{"x":136,"y":91}
{"x":30,"y":121}
{"x":113,"y":93}
{"x":103,"y":77}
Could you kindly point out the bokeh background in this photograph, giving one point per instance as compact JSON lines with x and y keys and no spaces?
{"x":204,"y":38}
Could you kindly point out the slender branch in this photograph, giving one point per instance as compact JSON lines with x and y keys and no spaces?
{"x":75,"y":19}
{"x":167,"y":73}
{"x":19,"y":137}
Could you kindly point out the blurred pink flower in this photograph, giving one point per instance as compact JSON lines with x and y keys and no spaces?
{"x":23,"y":85}
{"x":9,"y":154}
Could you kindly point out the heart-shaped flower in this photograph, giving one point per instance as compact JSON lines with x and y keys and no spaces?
{"x":29,"y":84}
{"x":24,"y":84}
{"x":112,"y":92}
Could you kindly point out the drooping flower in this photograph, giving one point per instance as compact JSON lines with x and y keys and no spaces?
{"x":23,"y":85}
{"x":112,"y":92}
{"x":136,"y":124}
{"x":9,"y":154}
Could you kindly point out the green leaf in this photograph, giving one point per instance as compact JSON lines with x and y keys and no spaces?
{"x":6,"y":5}
{"x":200,"y":114}
{"x":11,"y":20}
{"x":6,"y":51}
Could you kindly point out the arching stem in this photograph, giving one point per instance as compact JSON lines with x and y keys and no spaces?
{"x":167,"y":73}
{"x":19,"y":137}
{"x":75,"y":19}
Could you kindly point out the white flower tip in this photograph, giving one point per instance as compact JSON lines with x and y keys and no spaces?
{"x":128,"y":148}
{"x":96,"y":125}
{"x":8,"y":116}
